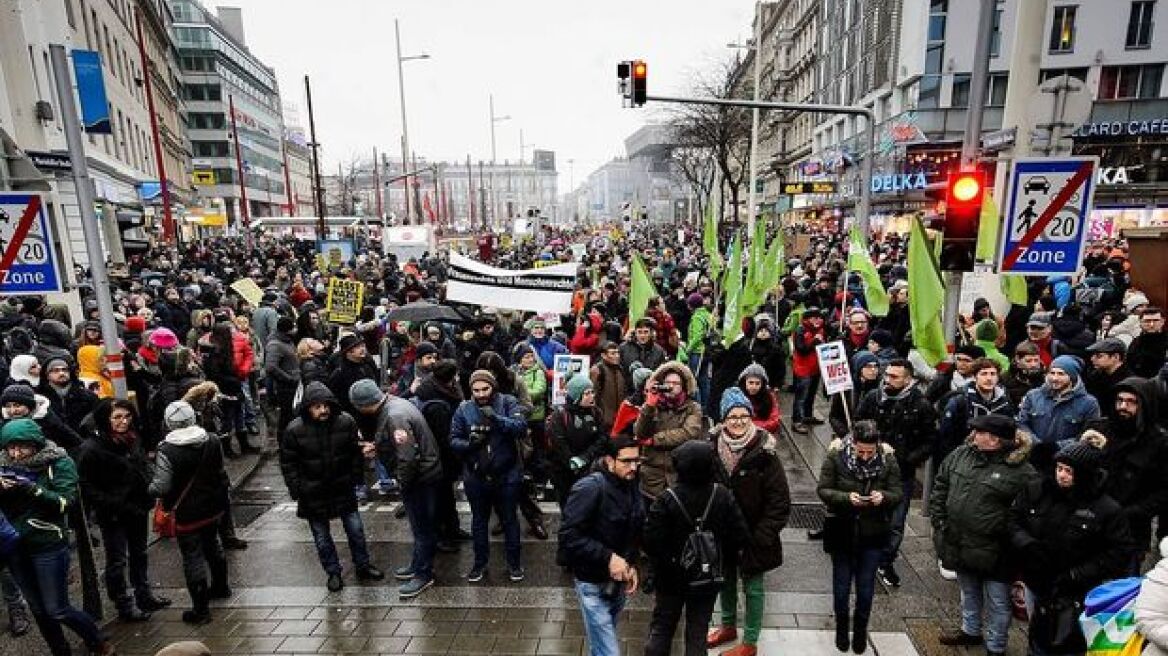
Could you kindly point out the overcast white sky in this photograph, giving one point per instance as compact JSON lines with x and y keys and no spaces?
{"x":551,"y":65}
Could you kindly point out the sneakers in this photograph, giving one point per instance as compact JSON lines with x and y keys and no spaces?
{"x":888,"y":576}
{"x":720,"y":636}
{"x":742,"y":650}
{"x":959,"y":638}
{"x":947,"y":574}
{"x":335,"y":583}
{"x":476,"y":574}
{"x":403,"y":573}
{"x":18,"y":623}
{"x":413,"y":587}
{"x":369,"y":573}
{"x":516,"y":574}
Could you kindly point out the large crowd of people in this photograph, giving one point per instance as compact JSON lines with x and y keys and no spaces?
{"x":1040,"y":437}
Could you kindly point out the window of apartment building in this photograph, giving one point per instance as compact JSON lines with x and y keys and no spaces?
{"x":996,"y":34}
{"x":960,"y":97}
{"x":207,"y":121}
{"x":1122,"y":82}
{"x":69,"y":14}
{"x":1077,"y":73}
{"x":1062,"y":30}
{"x":209,"y":149}
{"x":996,"y":89}
{"x":1139,"y":24}
{"x":929,"y":92}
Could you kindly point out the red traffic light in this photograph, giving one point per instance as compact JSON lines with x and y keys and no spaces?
{"x":640,"y":82}
{"x":965,"y":188}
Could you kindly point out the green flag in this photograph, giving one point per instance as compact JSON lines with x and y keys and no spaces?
{"x":1014,"y":287}
{"x":641,"y":290}
{"x":926,"y":297}
{"x":710,"y":244}
{"x":731,"y":308}
{"x":987,"y":230}
{"x":776,"y":262}
{"x":755,"y":288}
{"x":860,"y":261}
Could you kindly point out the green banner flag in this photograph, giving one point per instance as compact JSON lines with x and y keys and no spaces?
{"x":755,"y":288}
{"x":926,"y":297}
{"x":776,"y":262}
{"x":640,"y":291}
{"x":710,"y":244}
{"x":987,"y":230}
{"x":860,"y":261}
{"x":1014,"y":287}
{"x":731,"y":309}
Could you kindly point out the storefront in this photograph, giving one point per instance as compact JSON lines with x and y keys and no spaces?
{"x":1132,"y":180}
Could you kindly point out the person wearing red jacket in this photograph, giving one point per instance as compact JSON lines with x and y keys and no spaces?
{"x":764,"y":403}
{"x":805,"y":368}
{"x":586,"y":339}
{"x":667,"y":335}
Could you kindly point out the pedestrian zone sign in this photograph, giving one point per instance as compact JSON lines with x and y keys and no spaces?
{"x":27,"y":263}
{"x":1047,"y":215}
{"x":833,"y":365}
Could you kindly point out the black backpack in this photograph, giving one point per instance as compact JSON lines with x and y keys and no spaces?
{"x":701,"y":555}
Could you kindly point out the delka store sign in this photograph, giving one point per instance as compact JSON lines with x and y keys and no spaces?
{"x":898,"y":183}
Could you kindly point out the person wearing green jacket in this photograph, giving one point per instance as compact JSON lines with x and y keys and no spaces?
{"x":38,"y":484}
{"x":985,"y":335}
{"x":700,"y":324}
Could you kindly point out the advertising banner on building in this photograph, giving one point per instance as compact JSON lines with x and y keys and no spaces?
{"x":95,"y":109}
{"x":344,"y":300}
{"x":536,"y":290}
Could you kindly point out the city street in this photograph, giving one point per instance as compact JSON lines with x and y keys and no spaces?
{"x":280,"y":604}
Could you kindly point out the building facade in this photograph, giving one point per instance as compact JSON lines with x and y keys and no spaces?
{"x":219,"y":72}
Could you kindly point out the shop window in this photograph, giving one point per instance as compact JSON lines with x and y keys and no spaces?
{"x":1124,"y":82}
{"x":1139,"y":24}
{"x":1062,"y":30}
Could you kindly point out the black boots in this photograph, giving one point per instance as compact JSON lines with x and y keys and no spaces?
{"x":841,"y":632}
{"x":859,"y":636}
{"x":150,"y":602}
{"x":200,"y":612}
{"x":128,"y":611}
{"x":219,"y":589}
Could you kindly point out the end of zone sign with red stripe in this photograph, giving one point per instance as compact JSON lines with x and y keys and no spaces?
{"x":1047,"y":215}
{"x":27,"y":262}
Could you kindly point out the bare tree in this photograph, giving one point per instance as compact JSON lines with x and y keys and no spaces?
{"x":345,"y":190}
{"x":721,"y":134}
{"x":697,"y":168}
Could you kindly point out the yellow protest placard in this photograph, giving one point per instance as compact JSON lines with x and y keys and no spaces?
{"x":321,"y":265}
{"x":249,"y":290}
{"x":345,"y":298}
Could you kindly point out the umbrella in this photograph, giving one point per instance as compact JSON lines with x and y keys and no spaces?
{"x":424,"y":311}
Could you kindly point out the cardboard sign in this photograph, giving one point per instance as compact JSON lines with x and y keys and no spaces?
{"x":834,"y":367}
{"x":249,"y":290}
{"x":345,"y":298}
{"x":564,"y":367}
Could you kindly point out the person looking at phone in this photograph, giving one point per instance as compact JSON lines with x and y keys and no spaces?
{"x":669,"y":418}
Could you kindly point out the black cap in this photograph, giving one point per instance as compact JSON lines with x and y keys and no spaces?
{"x":425,"y":348}
{"x":349,"y":342}
{"x":1108,"y":345}
{"x":285,"y":325}
{"x":1000,"y":426}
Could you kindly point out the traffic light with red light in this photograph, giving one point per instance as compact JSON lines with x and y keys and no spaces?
{"x":964,"y":194}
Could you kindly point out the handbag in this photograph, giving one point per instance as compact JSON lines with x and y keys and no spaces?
{"x":1055,"y":625}
{"x":164,"y":521}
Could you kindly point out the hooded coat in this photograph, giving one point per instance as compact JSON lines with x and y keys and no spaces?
{"x":191,"y":459}
{"x":54,"y":343}
{"x":39,"y":511}
{"x":666,"y":428}
{"x":495,"y":457}
{"x":321,"y":460}
{"x":906,"y":420}
{"x":961,"y":408}
{"x":115,"y":477}
{"x":970,"y":506}
{"x":437,"y":404}
{"x":765,"y":404}
{"x":1135,"y":458}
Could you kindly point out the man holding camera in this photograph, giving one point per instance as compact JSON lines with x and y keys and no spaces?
{"x":599,"y":539}
{"x":669,"y":418}
{"x":485,"y":433}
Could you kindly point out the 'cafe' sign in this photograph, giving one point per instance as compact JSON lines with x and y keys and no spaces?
{"x":1157,"y":126}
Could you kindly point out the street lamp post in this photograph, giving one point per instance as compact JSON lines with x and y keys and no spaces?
{"x":753,"y":45}
{"x":401,"y":89}
{"x":494,"y":199}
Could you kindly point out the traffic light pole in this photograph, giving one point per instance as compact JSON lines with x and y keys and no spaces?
{"x":864,"y":207}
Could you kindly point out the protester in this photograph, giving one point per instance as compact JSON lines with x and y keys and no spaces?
{"x":576,"y":436}
{"x":1056,"y":412}
{"x":668,"y":418}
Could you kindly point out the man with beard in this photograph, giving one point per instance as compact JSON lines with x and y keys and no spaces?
{"x":1108,"y":369}
{"x":1026,"y":373}
{"x":908,"y":422}
{"x":425,"y":357}
{"x":1056,"y":412}
{"x":355,"y":364}
{"x":1135,"y":456}
{"x":953,"y":381}
{"x":1147,"y":351}
{"x":608,"y":383}
{"x":982,"y":396}
{"x":641,"y":348}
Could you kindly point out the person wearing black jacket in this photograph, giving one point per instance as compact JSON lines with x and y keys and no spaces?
{"x":600,"y":538}
{"x":695,"y":502}
{"x":575,"y":436}
{"x":322,"y":464}
{"x":67,"y":397}
{"x":865,"y":377}
{"x":436,"y":397}
{"x":1146,"y":355}
{"x":114,"y":477}
{"x":1108,"y":369}
{"x":354,"y":365}
{"x":1070,"y":536}
{"x":908,"y":422}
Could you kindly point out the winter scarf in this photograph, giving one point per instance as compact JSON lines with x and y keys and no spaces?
{"x":863,"y":470}
{"x":731,"y":449}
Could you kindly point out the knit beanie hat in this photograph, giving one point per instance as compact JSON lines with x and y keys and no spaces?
{"x":22,"y":430}
{"x":882,"y":337}
{"x":163,"y":338}
{"x":577,"y":385}
{"x":640,"y":374}
{"x":521,"y":349}
{"x":19,"y":393}
{"x":135,"y":325}
{"x":1082,"y":457}
{"x":444,"y":371}
{"x":55,"y":362}
{"x":732,"y":398}
{"x":365,"y":393}
{"x":424,"y":349}
{"x":1069,"y":364}
{"x":862,"y":359}
{"x":179,"y":415}
{"x":482,"y":375}
{"x":695,"y":300}
{"x":986,"y":330}
{"x":755,"y":370}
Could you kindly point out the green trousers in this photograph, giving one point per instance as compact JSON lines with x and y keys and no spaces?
{"x":752,"y":589}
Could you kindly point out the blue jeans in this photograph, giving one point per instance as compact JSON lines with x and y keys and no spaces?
{"x":504,"y":499}
{"x":600,"y":617}
{"x":979,"y":594}
{"x":908,"y":483}
{"x":421,"y":501}
{"x":326,"y":549}
{"x":806,"y":388}
{"x":859,"y":566}
{"x":43,"y":577}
